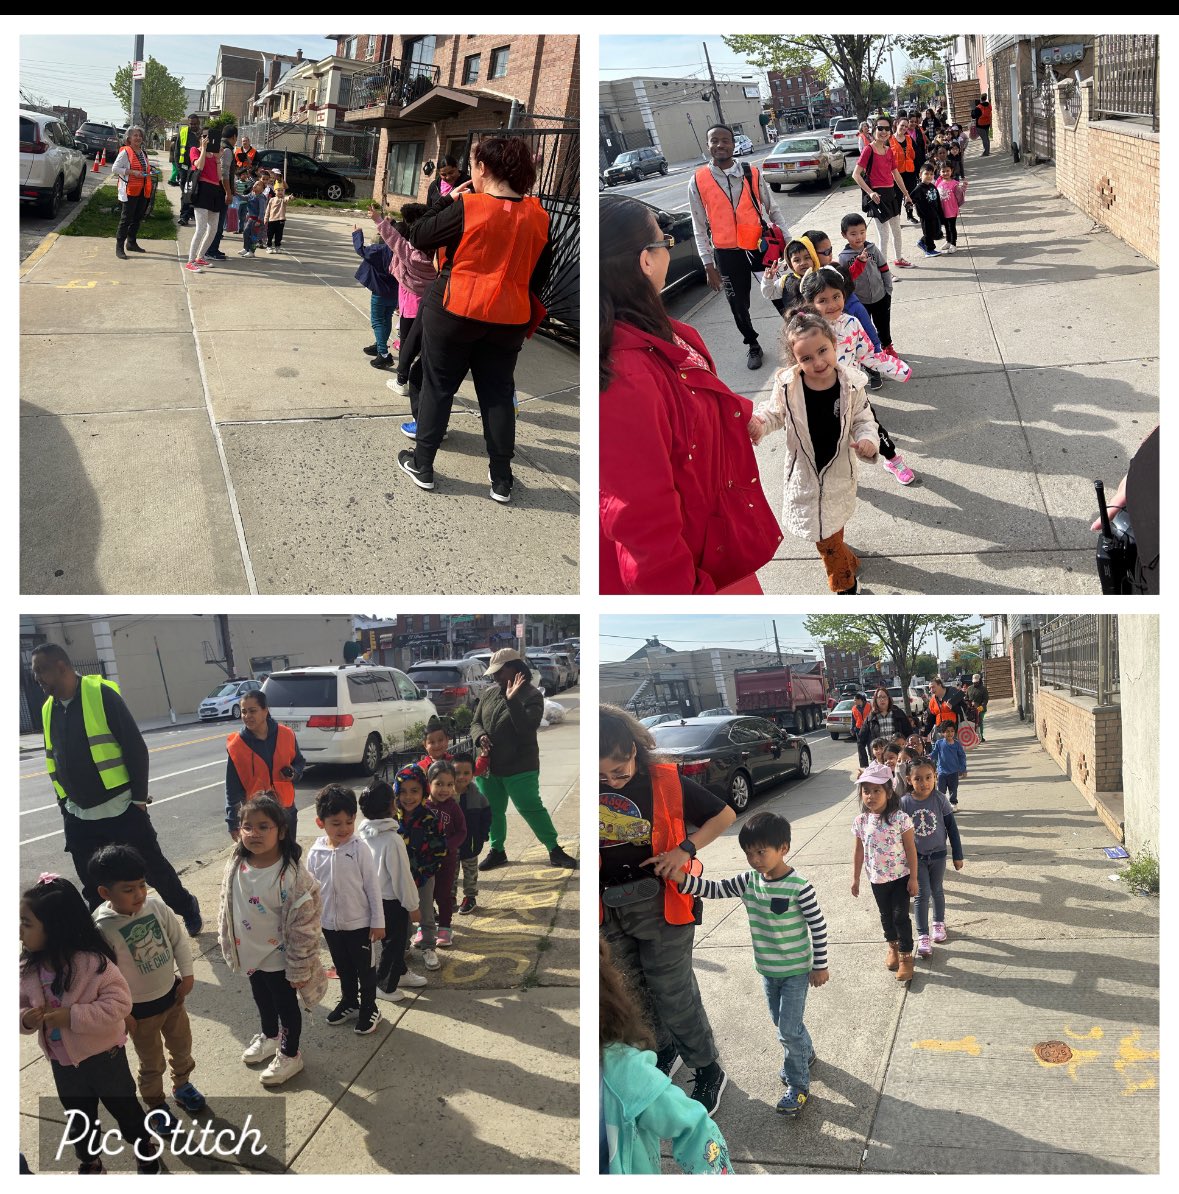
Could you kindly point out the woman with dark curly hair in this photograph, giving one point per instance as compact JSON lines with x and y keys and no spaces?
{"x":494,"y":257}
{"x":681,"y":507}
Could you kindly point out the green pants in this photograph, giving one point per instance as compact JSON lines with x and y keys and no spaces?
{"x":524,"y":792}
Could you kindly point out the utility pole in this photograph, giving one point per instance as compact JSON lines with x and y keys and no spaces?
{"x":167,"y":695}
{"x":777,"y":646}
{"x":226,"y":646}
{"x":720,"y":115}
{"x":137,"y":94}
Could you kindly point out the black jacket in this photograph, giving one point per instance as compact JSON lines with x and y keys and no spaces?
{"x":76,"y":771}
{"x":264,"y":749}
{"x":928,"y":203}
{"x":900,"y":725}
{"x":511,"y":726}
{"x":957,"y":702}
{"x":434,"y":192}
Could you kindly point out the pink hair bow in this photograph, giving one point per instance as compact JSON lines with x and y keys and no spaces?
{"x":47,"y":877}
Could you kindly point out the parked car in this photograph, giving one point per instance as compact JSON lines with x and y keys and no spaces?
{"x":841,"y":721}
{"x":803,"y":159}
{"x":51,"y":164}
{"x":657,"y":719}
{"x":348,"y":714}
{"x":845,"y":134}
{"x":554,"y":674}
{"x":719,"y":711}
{"x":564,"y":658}
{"x":93,"y":137}
{"x":741,"y":145}
{"x":226,"y":699}
{"x":634,"y":165}
{"x":732,"y":756}
{"x":306,"y":177}
{"x":450,"y":683}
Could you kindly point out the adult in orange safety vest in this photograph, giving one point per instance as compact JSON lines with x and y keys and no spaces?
{"x":946,"y":705}
{"x":646,"y":813}
{"x":263,"y":757}
{"x":133,"y":171}
{"x":494,"y":260}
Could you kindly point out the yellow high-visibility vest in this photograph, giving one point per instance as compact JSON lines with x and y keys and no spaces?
{"x":104,"y":749}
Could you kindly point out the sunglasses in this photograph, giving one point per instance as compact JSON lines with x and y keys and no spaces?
{"x":668,"y":243}
{"x":825,"y":252}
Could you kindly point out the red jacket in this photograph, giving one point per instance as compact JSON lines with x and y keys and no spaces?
{"x":680,"y":502}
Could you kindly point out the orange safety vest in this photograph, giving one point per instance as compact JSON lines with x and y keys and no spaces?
{"x":941,"y":711}
{"x":243,"y":158}
{"x":984,"y":115}
{"x":667,"y":831}
{"x":137,"y":184}
{"x":502,"y":242}
{"x":251,"y":770}
{"x":729,"y":227}
{"x":858,"y":716}
{"x":905,"y":157}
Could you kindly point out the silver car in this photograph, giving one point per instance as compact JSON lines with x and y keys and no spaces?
{"x":813,"y":158}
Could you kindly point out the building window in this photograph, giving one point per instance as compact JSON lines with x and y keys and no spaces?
{"x":350,"y":48}
{"x":345,"y":97}
{"x":420,"y":53}
{"x":405,"y":161}
{"x":499,"y":63}
{"x":471,"y":69}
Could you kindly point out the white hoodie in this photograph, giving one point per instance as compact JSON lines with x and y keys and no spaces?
{"x":383,"y":839}
{"x":150,"y":947}
{"x":348,"y":884}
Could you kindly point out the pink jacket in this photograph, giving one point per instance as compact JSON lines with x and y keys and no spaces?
{"x":412,"y":268}
{"x":98,"y":1003}
{"x":953,"y":193}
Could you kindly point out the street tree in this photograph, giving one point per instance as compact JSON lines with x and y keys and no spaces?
{"x":925,"y":666}
{"x":850,"y":59}
{"x":161,"y":98}
{"x":899,"y":636}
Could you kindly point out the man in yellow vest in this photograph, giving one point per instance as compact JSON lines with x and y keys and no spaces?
{"x":98,"y":765}
{"x":188,"y":138}
{"x":728,"y":211}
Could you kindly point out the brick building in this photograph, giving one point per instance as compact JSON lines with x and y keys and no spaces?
{"x":426,"y":93}
{"x":72,"y":118}
{"x":791,"y":93}
{"x":847,"y":667}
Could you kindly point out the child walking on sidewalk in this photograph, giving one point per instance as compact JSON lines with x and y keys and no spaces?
{"x":822,"y":408}
{"x":373,"y":274}
{"x":933,"y":822}
{"x":884,"y":842}
{"x":789,"y":941}
{"x":276,"y":215}
{"x":870,"y":274}
{"x":950,"y":758}
{"x":953,"y":193}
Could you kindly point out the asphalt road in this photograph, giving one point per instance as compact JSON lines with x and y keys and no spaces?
{"x":825,"y":754}
{"x":188,"y":797}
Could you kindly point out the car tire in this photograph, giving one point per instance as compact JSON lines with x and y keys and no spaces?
{"x":370,"y":760}
{"x":75,"y":196}
{"x":51,"y":205}
{"x":740,"y":791}
{"x":334,"y":190}
{"x":835,"y":737}
{"x":662,"y":167}
{"x":775,"y":187}
{"x":235,"y":712}
{"x":830,"y":180}
{"x":804,"y":763}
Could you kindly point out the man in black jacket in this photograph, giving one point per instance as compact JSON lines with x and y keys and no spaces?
{"x":96,"y":815}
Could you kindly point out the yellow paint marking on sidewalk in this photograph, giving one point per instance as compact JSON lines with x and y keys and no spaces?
{"x":1094,"y":1034}
{"x":39,"y":252}
{"x":75,"y":284}
{"x":967,"y":1044}
{"x":1128,"y":1055}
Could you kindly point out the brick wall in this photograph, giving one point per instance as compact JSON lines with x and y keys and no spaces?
{"x":997,"y":678}
{"x":1084,"y":738}
{"x":1110,"y":170}
{"x":962,"y":98}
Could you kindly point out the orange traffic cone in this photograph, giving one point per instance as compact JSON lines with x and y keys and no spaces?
{"x":94,"y":168}
{"x":104,"y":157}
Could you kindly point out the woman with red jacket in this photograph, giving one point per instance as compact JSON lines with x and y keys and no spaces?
{"x":680,"y":500}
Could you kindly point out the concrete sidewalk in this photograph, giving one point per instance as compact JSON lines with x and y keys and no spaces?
{"x":255,"y":448}
{"x":1035,"y":369}
{"x":939,"y":1076}
{"x":476,"y":1073}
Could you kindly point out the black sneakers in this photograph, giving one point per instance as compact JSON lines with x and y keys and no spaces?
{"x":341,"y":1012}
{"x":382,"y":362}
{"x":468,"y":905}
{"x":501,"y":491}
{"x":558,"y":857}
{"x":668,"y":1060}
{"x":495,"y":858}
{"x":753,"y":361}
{"x":709,"y":1086}
{"x":423,"y":478}
{"x":368,"y":1021}
{"x":370,"y":350}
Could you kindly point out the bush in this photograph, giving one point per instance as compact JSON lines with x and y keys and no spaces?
{"x":1142,"y":875}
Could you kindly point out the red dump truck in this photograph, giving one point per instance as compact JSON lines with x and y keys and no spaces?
{"x":795,"y":697}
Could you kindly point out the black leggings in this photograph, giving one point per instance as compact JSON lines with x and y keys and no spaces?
{"x":278,"y":1003}
{"x":951,"y":223}
{"x":887,"y":448}
{"x":409,"y":358}
{"x":105,"y":1076}
{"x":391,"y":965}
{"x":892,"y":899}
{"x":274,"y":233}
{"x":881,"y":312}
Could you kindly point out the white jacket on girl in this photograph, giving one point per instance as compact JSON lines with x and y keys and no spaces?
{"x":383,"y":838}
{"x":853,"y":347}
{"x":818,"y":504}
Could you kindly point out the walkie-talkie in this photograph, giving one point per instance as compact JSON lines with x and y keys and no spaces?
{"x":1117,"y":549}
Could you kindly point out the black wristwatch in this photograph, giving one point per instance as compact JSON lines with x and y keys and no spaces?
{"x":689,"y":847}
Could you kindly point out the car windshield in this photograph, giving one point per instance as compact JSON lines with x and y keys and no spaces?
{"x":653,"y":720}
{"x":223,"y":690}
{"x":309,"y":691}
{"x":843,"y":706}
{"x":624,"y":159}
{"x":799,"y":147}
{"x":435,"y":675}
{"x":847,"y":126}
{"x":673,"y":736}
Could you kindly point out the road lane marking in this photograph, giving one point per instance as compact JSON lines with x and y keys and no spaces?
{"x":191,"y":792}
{"x":158,"y":779}
{"x":154,"y":750}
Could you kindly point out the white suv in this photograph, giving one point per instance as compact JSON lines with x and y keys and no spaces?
{"x":51,"y":164}
{"x":348,"y":714}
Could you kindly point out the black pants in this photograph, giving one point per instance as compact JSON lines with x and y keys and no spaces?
{"x":133,"y":212}
{"x":133,"y":827}
{"x":881,"y":312}
{"x":352,"y":956}
{"x":274,"y":233}
{"x":951,"y":223}
{"x":887,"y":449}
{"x":106,"y":1077}
{"x":910,"y":181}
{"x":737,"y":267}
{"x":947,"y":784}
{"x":215,"y":243}
{"x":451,"y":346}
{"x":893,"y":901}
{"x":409,"y":358}
{"x":278,"y":1008}
{"x":185,"y":205}
{"x":391,"y":965}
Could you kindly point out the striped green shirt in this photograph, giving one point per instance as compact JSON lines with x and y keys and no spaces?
{"x":785,"y":921}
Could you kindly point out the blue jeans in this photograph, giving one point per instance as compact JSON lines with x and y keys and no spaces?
{"x":380,"y":313}
{"x":931,"y":870}
{"x":787,"y":1000}
{"x":947,"y":783}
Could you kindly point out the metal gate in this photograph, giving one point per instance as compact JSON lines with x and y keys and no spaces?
{"x":1039,"y":120}
{"x":557,"y":154}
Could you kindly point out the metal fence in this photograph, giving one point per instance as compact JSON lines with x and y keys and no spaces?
{"x":394,"y":84}
{"x":350,"y":151}
{"x":1126,"y":76}
{"x":1079,"y":652}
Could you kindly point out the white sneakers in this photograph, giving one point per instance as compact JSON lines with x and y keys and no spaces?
{"x":281,"y":1068}
{"x":410,"y":979}
{"x":431,"y":960}
{"x":394,"y":996}
{"x":260,"y":1048}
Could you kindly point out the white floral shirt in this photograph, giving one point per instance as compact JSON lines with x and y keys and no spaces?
{"x":257,"y":900}
{"x":884,"y":851}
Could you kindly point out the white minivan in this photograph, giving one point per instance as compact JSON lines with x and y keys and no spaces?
{"x":347,"y":714}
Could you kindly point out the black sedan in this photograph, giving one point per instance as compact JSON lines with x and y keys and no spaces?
{"x":306,"y":177}
{"x":685,"y":265}
{"x":732,"y":756}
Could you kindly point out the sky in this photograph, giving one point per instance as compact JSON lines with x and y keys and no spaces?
{"x":79,"y":70}
{"x":623,"y":635}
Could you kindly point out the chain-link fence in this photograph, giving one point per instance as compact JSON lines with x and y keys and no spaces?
{"x":351,"y":152}
{"x":1079,"y":652}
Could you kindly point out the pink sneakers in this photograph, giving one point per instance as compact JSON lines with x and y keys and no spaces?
{"x":899,"y":469}
{"x":924,"y":945}
{"x":939,"y":931}
{"x":903,"y":263}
